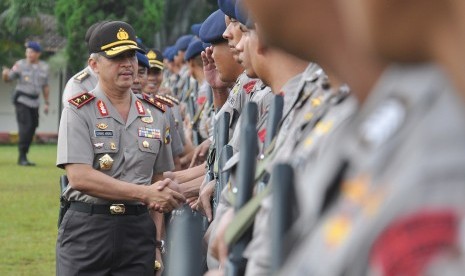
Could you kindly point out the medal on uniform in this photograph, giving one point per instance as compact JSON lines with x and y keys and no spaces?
{"x":106,"y":162}
{"x":147,"y":120}
{"x":145,"y":144}
{"x":98,"y":145}
{"x":102,"y":126}
{"x":167,"y":136}
{"x":112,"y":146}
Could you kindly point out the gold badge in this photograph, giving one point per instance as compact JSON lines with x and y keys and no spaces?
{"x":122,"y":34}
{"x":102,"y":126}
{"x":112,"y":146}
{"x":145,"y":144}
{"x":151,"y":55}
{"x":106,"y":162}
{"x":147,"y":120}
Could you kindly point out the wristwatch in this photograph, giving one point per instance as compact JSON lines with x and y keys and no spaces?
{"x":161,"y":245}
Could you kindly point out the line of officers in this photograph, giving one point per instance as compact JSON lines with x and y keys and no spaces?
{"x":279,"y":138}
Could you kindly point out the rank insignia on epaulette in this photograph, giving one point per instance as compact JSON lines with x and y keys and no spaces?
{"x":164,"y":100}
{"x":82,"y":76}
{"x":81,"y":99}
{"x":172,"y":98}
{"x":153,"y":102}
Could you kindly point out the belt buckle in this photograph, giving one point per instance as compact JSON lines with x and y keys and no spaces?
{"x":117,"y":209}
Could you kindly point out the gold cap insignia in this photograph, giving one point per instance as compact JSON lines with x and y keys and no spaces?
{"x":106,"y":162}
{"x":151,"y":55}
{"x":102,"y":126}
{"x":122,"y":34}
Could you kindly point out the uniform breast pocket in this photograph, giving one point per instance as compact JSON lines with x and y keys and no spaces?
{"x":147,"y":155}
{"x":105,"y":151}
{"x":26,"y":76}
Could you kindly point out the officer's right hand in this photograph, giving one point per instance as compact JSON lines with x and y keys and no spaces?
{"x":205,"y":195}
{"x":211,"y":73}
{"x":5,"y":73}
{"x":200,"y":153}
{"x":164,"y":200}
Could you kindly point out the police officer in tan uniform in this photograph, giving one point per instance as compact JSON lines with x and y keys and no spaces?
{"x":113,"y":147}
{"x":32,"y":76}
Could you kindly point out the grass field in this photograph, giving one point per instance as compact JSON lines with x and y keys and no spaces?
{"x":28,"y":211}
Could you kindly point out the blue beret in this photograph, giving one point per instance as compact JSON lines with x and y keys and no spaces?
{"x":183,"y":42}
{"x":241,"y":13}
{"x":34,"y":46}
{"x":171,"y":53}
{"x":167,"y":50}
{"x":194,"y":49}
{"x":196,"y":29}
{"x":142,"y":60}
{"x":228,"y":7}
{"x":213,"y":28}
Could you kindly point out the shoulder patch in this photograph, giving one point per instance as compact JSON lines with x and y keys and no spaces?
{"x":81,"y":77}
{"x":164,"y":100}
{"x":173,"y":98}
{"x":153,"y":102}
{"x":81,"y":99}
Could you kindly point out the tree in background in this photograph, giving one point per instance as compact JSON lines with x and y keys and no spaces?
{"x":19,"y":21}
{"x":75,"y":16}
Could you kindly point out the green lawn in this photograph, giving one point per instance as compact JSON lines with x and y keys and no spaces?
{"x":28,"y":212}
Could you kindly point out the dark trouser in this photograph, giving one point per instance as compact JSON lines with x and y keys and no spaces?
{"x":92,"y":244}
{"x":28,"y":121}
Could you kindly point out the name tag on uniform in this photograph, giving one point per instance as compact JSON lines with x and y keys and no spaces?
{"x":103,"y":133}
{"x":149,"y":133}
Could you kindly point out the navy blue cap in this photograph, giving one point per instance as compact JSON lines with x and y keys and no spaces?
{"x":228,"y":7}
{"x":194,"y":49}
{"x":166,"y":51}
{"x":242,"y":14}
{"x":142,"y":60}
{"x":213,"y":28}
{"x":171,"y":53}
{"x":34,"y":46}
{"x":196,"y":29}
{"x":183,"y":42}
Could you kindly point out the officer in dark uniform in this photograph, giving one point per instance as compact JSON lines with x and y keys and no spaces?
{"x":113,"y":147}
{"x":32,"y":76}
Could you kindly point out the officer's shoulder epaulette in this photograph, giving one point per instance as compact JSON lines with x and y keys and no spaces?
{"x":82,"y":76}
{"x":81,"y":99}
{"x":173,"y":98}
{"x":164,"y":100}
{"x":154,"y":102}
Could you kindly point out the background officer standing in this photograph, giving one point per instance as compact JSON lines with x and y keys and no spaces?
{"x":32,"y":76}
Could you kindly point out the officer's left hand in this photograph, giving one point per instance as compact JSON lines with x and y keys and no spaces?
{"x":203,"y":203}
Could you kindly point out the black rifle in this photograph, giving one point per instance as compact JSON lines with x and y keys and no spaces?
{"x":64,"y":204}
{"x":282,"y":211}
{"x":245,"y":183}
{"x":221,"y":139}
{"x":226,"y":154}
{"x":186,"y":235}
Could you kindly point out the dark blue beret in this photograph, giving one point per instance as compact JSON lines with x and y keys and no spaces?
{"x":172,"y":53}
{"x":241,"y":13}
{"x":142,"y":60}
{"x":196,"y":29}
{"x":228,"y":7}
{"x":213,"y":28}
{"x":166,"y":51}
{"x":194,"y":49}
{"x":34,"y":46}
{"x":183,"y":42}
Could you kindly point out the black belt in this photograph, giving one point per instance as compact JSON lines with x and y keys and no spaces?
{"x":108,"y":209}
{"x":21,"y":93}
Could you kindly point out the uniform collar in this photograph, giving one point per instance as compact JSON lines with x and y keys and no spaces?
{"x":105,"y":109}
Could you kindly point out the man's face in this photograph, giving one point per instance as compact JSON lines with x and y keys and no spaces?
{"x":294,"y":25}
{"x":154,"y":80}
{"x":227,"y":67}
{"x":245,"y":52}
{"x":233,"y":34}
{"x":395,"y":29}
{"x":32,"y":56}
{"x":119,"y":72}
{"x":179,"y":58}
{"x":140,"y":81}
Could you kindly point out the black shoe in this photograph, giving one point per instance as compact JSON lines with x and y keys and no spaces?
{"x":25,"y":163}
